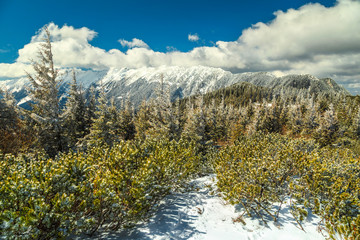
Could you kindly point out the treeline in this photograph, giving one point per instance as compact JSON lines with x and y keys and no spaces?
{"x":218,"y":117}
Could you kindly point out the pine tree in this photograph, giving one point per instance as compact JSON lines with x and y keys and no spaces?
{"x":343,"y":114}
{"x":356,"y":125}
{"x":327,"y":132}
{"x":90,"y":109}
{"x":45,"y":95}
{"x":256,"y":124}
{"x":311,"y":117}
{"x":296,"y":120}
{"x":126,"y":122}
{"x":74,"y":114}
{"x":238,"y":126}
{"x":163,"y":121}
{"x":141,"y":121}
{"x":195,"y":125}
{"x":217,"y":120}
{"x":11,"y":126}
{"x":271,"y":119}
{"x":105,"y":128}
{"x":8,"y":110}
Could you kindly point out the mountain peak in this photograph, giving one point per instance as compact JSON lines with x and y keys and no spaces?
{"x":140,"y":84}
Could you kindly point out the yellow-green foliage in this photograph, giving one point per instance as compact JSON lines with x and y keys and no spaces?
{"x":255,"y":171}
{"x":43,"y":198}
{"x":330,"y":185}
{"x":262,"y":170}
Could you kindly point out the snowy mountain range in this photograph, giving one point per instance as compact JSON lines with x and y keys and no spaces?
{"x":140,"y":84}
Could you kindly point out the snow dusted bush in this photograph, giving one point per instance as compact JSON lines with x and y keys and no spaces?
{"x":330,"y":186}
{"x":106,"y":188}
{"x":260,"y":171}
{"x":255,"y":172}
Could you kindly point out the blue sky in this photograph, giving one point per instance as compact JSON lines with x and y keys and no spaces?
{"x":159,"y":23}
{"x":321,"y":38}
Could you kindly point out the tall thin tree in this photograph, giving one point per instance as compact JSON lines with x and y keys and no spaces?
{"x":44,"y":93}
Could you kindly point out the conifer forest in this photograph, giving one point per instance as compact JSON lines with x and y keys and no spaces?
{"x":89,"y":164}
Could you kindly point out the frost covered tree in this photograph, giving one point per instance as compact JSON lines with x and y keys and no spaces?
{"x":327,"y":132}
{"x":217,"y":120}
{"x":195,"y":125}
{"x":258,"y":117}
{"x":296,"y":119}
{"x":44,"y":93}
{"x":141,"y":121}
{"x":126,"y":121}
{"x":13,"y":135}
{"x":271,"y":119}
{"x":238,"y":126}
{"x":311,"y":117}
{"x":90,"y":109}
{"x":163,"y":120}
{"x":356,"y":125}
{"x":8,"y":110}
{"x":74,"y":114}
{"x":105,"y":128}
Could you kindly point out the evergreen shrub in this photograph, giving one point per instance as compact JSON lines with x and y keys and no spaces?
{"x":263,"y":171}
{"x":80,"y":193}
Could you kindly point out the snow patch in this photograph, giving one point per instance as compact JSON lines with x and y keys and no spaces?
{"x":201,"y":215}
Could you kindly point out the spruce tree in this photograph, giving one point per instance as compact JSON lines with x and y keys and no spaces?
{"x":258,"y":116}
{"x":44,"y":93}
{"x":90,"y":109}
{"x":105,"y":127}
{"x":74,"y":114}
{"x":126,"y":121}
{"x":141,"y":121}
{"x":163,"y":121}
{"x":356,"y":125}
{"x":296,"y":119}
{"x":11,"y":125}
{"x":216,"y":120}
{"x":311,"y":121}
{"x":238,"y":126}
{"x":327,"y":132}
{"x":195,"y":125}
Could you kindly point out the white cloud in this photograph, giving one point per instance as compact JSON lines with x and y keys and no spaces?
{"x":57,"y":34}
{"x":171,"y":49}
{"x":312,"y":39}
{"x":8,"y":70}
{"x":134,"y":43}
{"x":193,"y":37}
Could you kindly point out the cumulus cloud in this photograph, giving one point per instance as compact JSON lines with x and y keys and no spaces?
{"x":57,"y":34}
{"x":193,"y":37}
{"x":134,"y":43}
{"x":324,"y":41}
{"x":8,"y":70}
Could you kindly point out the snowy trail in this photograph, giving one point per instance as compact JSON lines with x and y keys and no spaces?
{"x":199,"y":215}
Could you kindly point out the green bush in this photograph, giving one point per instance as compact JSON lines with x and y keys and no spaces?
{"x":260,"y":171}
{"x":330,"y":186}
{"x":255,"y":171}
{"x":108,"y":188}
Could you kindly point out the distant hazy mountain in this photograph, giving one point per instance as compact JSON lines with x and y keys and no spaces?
{"x":140,"y":84}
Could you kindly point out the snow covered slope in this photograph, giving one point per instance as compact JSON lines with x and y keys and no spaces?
{"x":139,"y":84}
{"x":200,"y":215}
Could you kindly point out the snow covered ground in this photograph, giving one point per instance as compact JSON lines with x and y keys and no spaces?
{"x":199,"y":214}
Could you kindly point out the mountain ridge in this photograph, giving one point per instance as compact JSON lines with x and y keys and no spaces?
{"x":140,"y":84}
